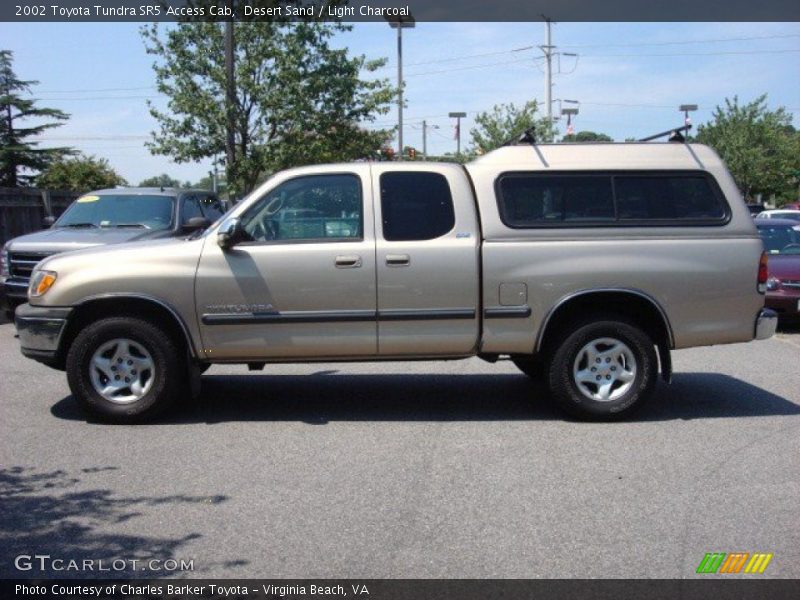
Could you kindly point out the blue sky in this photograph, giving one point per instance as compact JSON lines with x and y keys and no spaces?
{"x":629,"y":77}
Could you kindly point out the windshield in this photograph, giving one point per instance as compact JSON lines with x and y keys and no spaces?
{"x":780,"y":239}
{"x":120,"y":210}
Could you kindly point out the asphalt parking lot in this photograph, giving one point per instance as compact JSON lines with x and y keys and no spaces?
{"x":440,"y":470}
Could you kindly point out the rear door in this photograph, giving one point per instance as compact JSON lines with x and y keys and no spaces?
{"x":427,"y":261}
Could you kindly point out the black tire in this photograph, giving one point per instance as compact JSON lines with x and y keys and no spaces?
{"x":168,"y":371}
{"x":566,"y":390}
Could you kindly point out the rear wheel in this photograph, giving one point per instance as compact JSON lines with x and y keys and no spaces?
{"x":603,"y":370}
{"x":124,"y":369}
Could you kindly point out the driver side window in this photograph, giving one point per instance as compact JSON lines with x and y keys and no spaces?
{"x":191,"y":209}
{"x":323,"y":208}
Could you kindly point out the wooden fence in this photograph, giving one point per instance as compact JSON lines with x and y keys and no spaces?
{"x":22,"y":210}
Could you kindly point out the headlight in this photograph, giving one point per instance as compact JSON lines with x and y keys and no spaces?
{"x":41,"y":282}
{"x":773,"y":283}
{"x":5,"y":266}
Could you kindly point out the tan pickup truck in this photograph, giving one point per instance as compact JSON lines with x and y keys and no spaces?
{"x":584,"y":264}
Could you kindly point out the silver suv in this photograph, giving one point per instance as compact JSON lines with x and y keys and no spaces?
{"x":103,"y":217}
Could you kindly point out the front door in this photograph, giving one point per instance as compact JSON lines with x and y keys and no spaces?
{"x":302,"y":284}
{"x":427,"y":261}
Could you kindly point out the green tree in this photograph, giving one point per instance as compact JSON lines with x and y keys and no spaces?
{"x":587,"y":136}
{"x":79,"y":174}
{"x":207,"y":183}
{"x":162,"y":180}
{"x":506,"y":121}
{"x":760,"y":146}
{"x":298,"y":100}
{"x":20,"y":156}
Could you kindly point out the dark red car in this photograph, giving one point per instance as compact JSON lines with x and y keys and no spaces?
{"x":781,"y":239}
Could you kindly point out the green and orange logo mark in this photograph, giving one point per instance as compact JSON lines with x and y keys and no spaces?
{"x":735,"y":562}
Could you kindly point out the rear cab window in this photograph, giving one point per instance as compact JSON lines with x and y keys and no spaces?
{"x":575,"y":199}
{"x":415,"y":206}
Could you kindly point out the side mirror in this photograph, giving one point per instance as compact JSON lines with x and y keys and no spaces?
{"x":48,"y":221}
{"x":230,"y":233}
{"x":196,"y":223}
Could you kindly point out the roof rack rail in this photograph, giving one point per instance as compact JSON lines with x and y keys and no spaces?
{"x":526,"y":137}
{"x":675,"y":135}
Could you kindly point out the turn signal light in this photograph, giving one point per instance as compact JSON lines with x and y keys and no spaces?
{"x":41,"y":282}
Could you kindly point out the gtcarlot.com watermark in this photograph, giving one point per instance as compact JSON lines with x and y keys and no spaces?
{"x":48,"y":563}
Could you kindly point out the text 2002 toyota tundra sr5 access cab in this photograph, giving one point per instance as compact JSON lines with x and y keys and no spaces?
{"x":586,"y":263}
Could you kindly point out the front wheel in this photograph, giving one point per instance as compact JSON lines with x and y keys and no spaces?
{"x":603,"y":370}
{"x":124,"y":369}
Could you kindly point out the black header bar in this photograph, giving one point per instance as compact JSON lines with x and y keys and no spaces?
{"x":383,"y":10}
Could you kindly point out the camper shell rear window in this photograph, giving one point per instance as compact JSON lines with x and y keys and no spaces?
{"x":529,"y":200}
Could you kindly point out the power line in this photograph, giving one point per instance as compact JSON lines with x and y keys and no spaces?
{"x":682,"y":42}
{"x":68,"y":99}
{"x":128,"y":89}
{"x":494,"y":64}
{"x":732,"y":52}
{"x":463,"y":57}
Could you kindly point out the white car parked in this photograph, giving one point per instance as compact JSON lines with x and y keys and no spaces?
{"x":794,"y":215}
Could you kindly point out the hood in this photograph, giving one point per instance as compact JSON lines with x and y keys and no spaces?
{"x":784,"y":266}
{"x":64,"y":239}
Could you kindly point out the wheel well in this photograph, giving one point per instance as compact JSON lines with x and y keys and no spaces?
{"x":638,"y":308}
{"x":94,"y":310}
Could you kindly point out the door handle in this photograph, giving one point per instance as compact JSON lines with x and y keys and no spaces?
{"x":398,"y":260}
{"x":348,"y":262}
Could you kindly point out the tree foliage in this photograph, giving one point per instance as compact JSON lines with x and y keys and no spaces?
{"x":20,"y":156}
{"x":298,"y":100}
{"x":162,"y":180}
{"x":79,"y":174}
{"x":505,"y":121}
{"x":587,"y":136}
{"x":760,"y":146}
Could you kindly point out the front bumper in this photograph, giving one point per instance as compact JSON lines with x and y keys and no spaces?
{"x":766,"y":324}
{"x":40,"y":329}
{"x":13,"y":292}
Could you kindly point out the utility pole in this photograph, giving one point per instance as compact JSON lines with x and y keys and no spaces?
{"x":230,"y":102}
{"x":425,"y":137}
{"x":457,"y":116}
{"x":548,"y":74}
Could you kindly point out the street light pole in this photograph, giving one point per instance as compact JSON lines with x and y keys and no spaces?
{"x":685,"y":109}
{"x":400,"y":23}
{"x":569,"y":112}
{"x":457,"y":116}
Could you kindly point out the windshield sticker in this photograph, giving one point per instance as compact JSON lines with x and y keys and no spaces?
{"x":83,"y":199}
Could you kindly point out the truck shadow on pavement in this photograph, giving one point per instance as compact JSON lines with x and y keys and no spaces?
{"x":326,"y":396}
{"x":52,"y":513}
